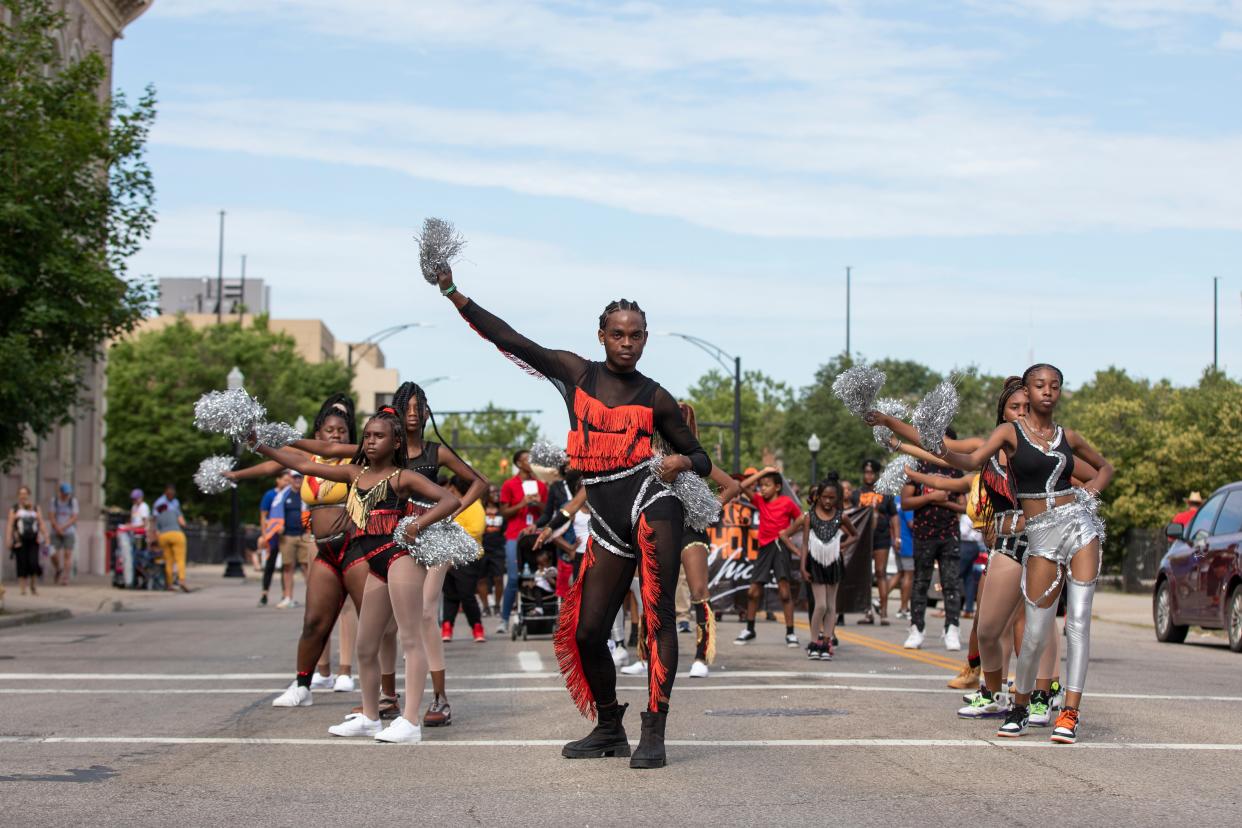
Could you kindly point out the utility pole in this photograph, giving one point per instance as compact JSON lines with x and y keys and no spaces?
{"x":1215,"y":322}
{"x":847,"y":312}
{"x":220,"y":275}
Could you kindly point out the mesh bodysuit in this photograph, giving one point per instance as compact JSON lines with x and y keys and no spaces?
{"x":636,"y":524}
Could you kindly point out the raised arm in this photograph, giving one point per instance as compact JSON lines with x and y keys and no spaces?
{"x":903,"y":429}
{"x":937,"y":481}
{"x":296,"y":460}
{"x":564,"y":366}
{"x":1087,"y":452}
{"x":672,"y":426}
{"x":1001,"y":438}
{"x":265,"y":469}
{"x":326,"y":448}
{"x":459,"y":467}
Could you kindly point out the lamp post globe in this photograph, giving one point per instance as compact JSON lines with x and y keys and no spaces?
{"x":813,"y":445}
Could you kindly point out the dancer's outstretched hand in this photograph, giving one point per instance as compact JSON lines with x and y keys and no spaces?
{"x":445,"y":277}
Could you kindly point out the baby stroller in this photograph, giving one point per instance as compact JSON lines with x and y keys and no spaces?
{"x":538,"y":608}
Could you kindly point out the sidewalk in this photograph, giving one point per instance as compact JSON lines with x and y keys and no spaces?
{"x":89,"y":594}
{"x":1131,"y":609}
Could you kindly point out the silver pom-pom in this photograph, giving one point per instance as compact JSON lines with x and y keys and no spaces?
{"x":857,"y":387}
{"x":234,"y":413}
{"x":933,"y":415}
{"x":443,"y":542}
{"x":548,"y":454}
{"x":438,"y":246}
{"x":893,"y":478}
{"x":701,"y":506}
{"x":893,"y":408}
{"x":276,"y":435}
{"x":210,"y":477}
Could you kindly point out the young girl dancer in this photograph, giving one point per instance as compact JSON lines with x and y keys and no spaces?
{"x":1064,"y":534}
{"x":379,"y":487}
{"x":426,"y":458}
{"x":614,"y":411}
{"x":822,"y":567}
{"x":326,"y":584}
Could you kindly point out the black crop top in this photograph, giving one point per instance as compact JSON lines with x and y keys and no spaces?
{"x":428,"y":463}
{"x":1041,"y":474}
{"x":612,"y":416}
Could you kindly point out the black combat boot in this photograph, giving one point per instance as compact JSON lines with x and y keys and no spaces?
{"x":607,"y":739}
{"x":650,"y":752}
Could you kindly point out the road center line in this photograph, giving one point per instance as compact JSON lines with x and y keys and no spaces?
{"x":692,"y":743}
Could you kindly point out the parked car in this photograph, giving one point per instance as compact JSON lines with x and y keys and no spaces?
{"x":1200,"y":577}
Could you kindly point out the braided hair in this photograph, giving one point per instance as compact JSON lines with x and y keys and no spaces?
{"x":338,"y":405}
{"x":1039,"y":366}
{"x":408,"y":391}
{"x":620,"y":305}
{"x":832,"y":480}
{"x":1012,"y":386}
{"x":389,"y":415}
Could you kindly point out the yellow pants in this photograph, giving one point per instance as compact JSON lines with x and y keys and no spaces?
{"x":172,"y":544}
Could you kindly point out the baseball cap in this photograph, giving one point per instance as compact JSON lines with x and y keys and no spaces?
{"x":65,"y":488}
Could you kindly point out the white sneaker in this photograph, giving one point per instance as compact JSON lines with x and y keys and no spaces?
{"x":356,"y":724}
{"x":791,"y":640}
{"x":285,"y":603}
{"x":343,"y":684}
{"x":320,"y":682}
{"x":914,"y":641}
{"x":952,"y":641}
{"x":984,"y":707}
{"x":400,"y":732}
{"x":502,"y":628}
{"x":698,"y":669}
{"x":638,"y":668}
{"x":294,"y":696}
{"x":745,"y":636}
{"x":620,"y":655}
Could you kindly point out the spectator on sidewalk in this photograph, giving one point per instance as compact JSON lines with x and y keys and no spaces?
{"x":521,"y":503}
{"x":270,"y":529}
{"x":131,"y":537}
{"x":936,"y":542}
{"x":23,"y":533}
{"x":168,"y":534}
{"x":296,"y":546}
{"x":492,"y":572}
{"x":462,"y":581}
{"x":1193,"y":503}
{"x":64,"y":534}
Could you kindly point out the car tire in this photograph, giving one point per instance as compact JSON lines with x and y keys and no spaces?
{"x":1162,"y":613}
{"x":1233,"y":619}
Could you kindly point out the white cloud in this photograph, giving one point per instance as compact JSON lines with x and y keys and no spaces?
{"x":1124,"y":14}
{"x":1230,"y":40}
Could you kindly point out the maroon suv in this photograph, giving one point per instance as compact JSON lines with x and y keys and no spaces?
{"x":1200,"y":578}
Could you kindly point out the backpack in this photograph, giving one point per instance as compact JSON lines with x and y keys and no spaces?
{"x":27,"y":527}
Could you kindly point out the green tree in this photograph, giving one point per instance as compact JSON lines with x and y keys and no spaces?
{"x":153,"y":381}
{"x":75,"y":202}
{"x":764,"y":405}
{"x":488,"y":439}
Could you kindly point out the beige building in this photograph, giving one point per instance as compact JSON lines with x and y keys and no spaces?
{"x":374,"y":382}
{"x":74,"y":453}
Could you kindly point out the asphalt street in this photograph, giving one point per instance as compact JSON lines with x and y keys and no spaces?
{"x":160,"y":713}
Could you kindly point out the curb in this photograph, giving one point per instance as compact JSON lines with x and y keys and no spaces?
{"x":22,"y":619}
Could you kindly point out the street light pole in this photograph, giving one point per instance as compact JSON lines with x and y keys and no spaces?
{"x":233,"y":561}
{"x":220,"y":274}
{"x":376,"y":338}
{"x":720,"y":355}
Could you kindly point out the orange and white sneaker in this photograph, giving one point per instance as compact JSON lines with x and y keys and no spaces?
{"x":1066,"y":731}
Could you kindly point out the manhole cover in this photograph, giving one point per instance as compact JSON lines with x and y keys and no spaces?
{"x":779,"y":711}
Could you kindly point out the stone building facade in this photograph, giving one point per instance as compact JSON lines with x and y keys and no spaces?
{"x":74,"y":453}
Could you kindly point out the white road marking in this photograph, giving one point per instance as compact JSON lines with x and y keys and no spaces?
{"x":530,"y":662}
{"x":719,"y":673}
{"x":686,"y":687}
{"x":697,"y":743}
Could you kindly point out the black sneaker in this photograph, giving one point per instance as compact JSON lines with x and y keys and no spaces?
{"x":812,"y":650}
{"x":263,"y":600}
{"x":1016,"y":722}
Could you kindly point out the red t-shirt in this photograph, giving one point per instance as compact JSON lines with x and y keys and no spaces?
{"x":1184,"y":518}
{"x":775,"y":515}
{"x":513,"y":493}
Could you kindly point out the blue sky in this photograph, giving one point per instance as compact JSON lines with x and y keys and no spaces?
{"x":1060,"y":178}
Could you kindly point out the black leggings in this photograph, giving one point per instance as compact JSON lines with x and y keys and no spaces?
{"x":604,"y":580}
{"x":459,"y":592}
{"x":269,"y":566}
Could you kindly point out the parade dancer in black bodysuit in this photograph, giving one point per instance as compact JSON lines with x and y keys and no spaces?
{"x":636,"y":522}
